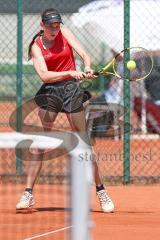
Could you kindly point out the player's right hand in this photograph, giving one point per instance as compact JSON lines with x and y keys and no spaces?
{"x":77,"y":74}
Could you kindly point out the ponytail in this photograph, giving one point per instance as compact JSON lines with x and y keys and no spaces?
{"x":31,"y":43}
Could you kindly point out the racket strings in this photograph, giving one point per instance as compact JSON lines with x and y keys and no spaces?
{"x":143,"y":60}
{"x":143,"y":63}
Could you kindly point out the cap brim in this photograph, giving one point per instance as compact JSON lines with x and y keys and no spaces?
{"x":54,"y":20}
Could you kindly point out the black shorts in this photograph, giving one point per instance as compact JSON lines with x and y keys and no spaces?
{"x":64,"y":96}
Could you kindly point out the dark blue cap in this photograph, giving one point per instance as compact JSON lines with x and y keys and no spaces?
{"x":52,"y":18}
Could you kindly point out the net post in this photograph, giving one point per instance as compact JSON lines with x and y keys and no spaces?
{"x":126,"y":92}
{"x":81,"y":176}
{"x":19,"y":76}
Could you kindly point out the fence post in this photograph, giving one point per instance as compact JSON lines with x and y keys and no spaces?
{"x":126,"y":137}
{"x":19,"y":76}
{"x":102,"y":78}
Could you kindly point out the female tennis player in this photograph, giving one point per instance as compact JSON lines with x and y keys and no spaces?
{"x":52,"y":53}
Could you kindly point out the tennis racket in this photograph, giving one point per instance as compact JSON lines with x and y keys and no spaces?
{"x":139,"y":65}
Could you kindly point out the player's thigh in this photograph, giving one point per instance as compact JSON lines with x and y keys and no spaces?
{"x":77,"y":121}
{"x":47,"y":118}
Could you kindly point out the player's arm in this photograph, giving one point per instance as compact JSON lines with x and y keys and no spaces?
{"x":74,"y":43}
{"x":49,"y":76}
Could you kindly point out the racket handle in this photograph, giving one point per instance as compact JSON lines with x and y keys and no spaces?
{"x":96,"y":73}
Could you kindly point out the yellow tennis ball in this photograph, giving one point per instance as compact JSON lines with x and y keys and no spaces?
{"x":131,"y":65}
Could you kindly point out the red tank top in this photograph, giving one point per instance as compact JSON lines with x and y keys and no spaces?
{"x":60,"y":57}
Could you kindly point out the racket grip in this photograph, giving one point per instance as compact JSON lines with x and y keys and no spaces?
{"x":96,"y":73}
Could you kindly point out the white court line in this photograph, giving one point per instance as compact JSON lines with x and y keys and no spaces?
{"x":47,"y":233}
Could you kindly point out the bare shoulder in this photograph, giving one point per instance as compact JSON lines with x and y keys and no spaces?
{"x":72,"y":40}
{"x":67,"y":33}
{"x":35,"y":49}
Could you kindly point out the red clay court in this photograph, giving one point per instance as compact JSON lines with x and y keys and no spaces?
{"x":137,"y":214}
